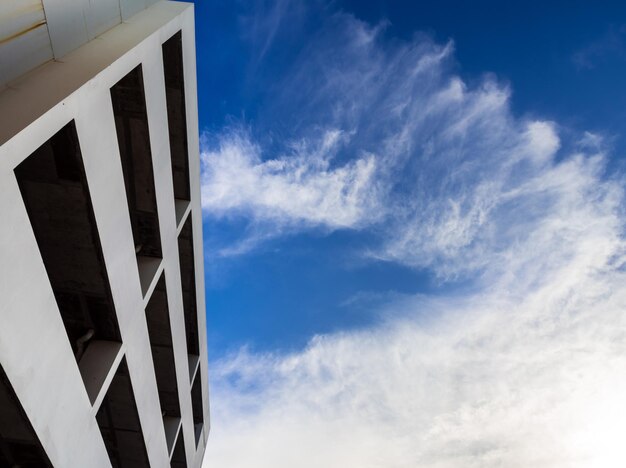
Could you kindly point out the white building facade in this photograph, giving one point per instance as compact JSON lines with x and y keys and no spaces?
{"x":103,"y":355}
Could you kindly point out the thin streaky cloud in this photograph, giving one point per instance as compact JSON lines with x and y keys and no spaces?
{"x":297,"y":190}
{"x":611,"y":45}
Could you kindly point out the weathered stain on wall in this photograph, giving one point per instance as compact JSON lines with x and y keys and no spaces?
{"x":33,"y":32}
{"x":18,"y":17}
{"x":24,"y":39}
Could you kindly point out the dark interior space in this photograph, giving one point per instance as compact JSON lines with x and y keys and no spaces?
{"x":19,"y":445}
{"x":54,"y":189}
{"x":188,"y":278}
{"x":176,"y":116}
{"x":178,"y":457}
{"x":196,"y":406}
{"x":131,"y":123}
{"x":158,"y":319}
{"x":119,"y":423}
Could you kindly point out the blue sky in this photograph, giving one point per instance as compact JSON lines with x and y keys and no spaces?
{"x":414,"y":239}
{"x":571,"y":73}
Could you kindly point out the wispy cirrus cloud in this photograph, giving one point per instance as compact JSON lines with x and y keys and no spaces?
{"x":490,"y":382}
{"x":261,"y":26}
{"x":523,"y":370}
{"x":610,"y":45}
{"x":299,"y":190}
{"x":437,"y":168}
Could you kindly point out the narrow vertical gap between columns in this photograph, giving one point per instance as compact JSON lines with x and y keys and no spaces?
{"x":188,"y":282}
{"x":119,"y":424}
{"x":160,"y":334}
{"x":197,"y":410}
{"x":176,"y":114}
{"x":179,"y":460}
{"x":131,"y":123}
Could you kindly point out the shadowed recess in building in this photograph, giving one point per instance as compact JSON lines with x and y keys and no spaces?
{"x":119,"y":423}
{"x":196,"y":406}
{"x":131,"y":123}
{"x":176,"y":118}
{"x":159,"y":331}
{"x":54,"y":189}
{"x":188,"y":279}
{"x":19,"y":445}
{"x":178,"y":457}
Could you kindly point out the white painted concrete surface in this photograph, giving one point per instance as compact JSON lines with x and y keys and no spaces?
{"x":34,"y":347}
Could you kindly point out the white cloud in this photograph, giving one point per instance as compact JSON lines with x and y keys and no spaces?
{"x":485,"y":381}
{"x":527,"y":369}
{"x":525,"y":372}
{"x":303,"y":188}
{"x":409,"y":147}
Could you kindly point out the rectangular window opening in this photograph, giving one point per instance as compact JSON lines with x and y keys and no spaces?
{"x":131,"y":123}
{"x":188,"y":279}
{"x":19,"y":444}
{"x":196,"y":406}
{"x":179,"y":460}
{"x":176,"y":114}
{"x":54,"y":188}
{"x":160,"y":333}
{"x":119,"y":423}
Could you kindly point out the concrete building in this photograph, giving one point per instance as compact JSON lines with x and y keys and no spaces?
{"x":103,"y":358}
